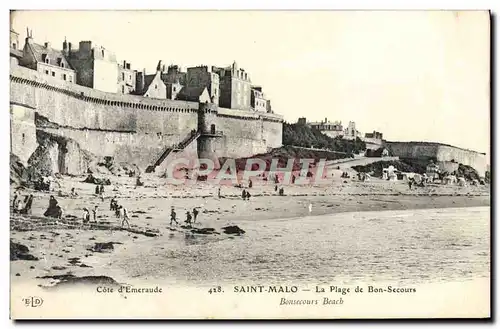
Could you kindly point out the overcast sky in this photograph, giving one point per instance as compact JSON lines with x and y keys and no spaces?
{"x":421,"y":76}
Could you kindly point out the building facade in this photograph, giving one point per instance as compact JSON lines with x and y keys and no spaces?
{"x":331,"y":129}
{"x":205,"y":77}
{"x":235,"y":87}
{"x":351,"y":132}
{"x":96,"y":66}
{"x":258,"y":102}
{"x":126,"y":78}
{"x":46,"y":60}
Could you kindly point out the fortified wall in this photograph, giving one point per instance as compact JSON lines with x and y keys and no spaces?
{"x":440,"y":152}
{"x":130,"y":128}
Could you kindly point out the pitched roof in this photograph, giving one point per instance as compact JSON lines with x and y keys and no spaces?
{"x":190,"y":93}
{"x":16,"y":53}
{"x":55,"y":57}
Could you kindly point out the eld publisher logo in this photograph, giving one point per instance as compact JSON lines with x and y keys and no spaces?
{"x":33,"y":301}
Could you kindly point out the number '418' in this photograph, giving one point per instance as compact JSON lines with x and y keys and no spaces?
{"x":215,"y":289}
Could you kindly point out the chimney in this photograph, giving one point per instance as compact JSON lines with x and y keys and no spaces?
{"x":69,"y":48}
{"x":326,"y":120}
{"x":124,"y":64}
{"x":65,"y":45}
{"x":29,"y":36}
{"x":163,"y":68}
{"x":158,"y":67}
{"x":47,"y":45}
{"x":128,"y":66}
{"x":139,"y":81}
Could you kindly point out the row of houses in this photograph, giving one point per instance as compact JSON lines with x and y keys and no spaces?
{"x":336,"y":129}
{"x":95,"y":67}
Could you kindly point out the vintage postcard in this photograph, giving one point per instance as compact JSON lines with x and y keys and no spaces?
{"x":250,"y":164}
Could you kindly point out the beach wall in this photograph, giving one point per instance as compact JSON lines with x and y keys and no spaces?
{"x":130,"y":128}
{"x":439,"y":152}
{"x":23,"y":131}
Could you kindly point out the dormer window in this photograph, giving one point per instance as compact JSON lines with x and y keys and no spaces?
{"x":60,"y":62}
{"x":45,"y":58}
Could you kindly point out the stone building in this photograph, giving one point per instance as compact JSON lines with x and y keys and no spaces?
{"x":258,"y":100}
{"x":351,"y":132}
{"x":374,"y":135}
{"x":126,"y":78}
{"x":15,"y":52}
{"x":268,"y":106}
{"x":173,"y":75}
{"x":14,"y":40}
{"x":46,"y":60}
{"x":96,"y":66}
{"x":204,"y":76}
{"x":151,"y":85}
{"x":235,"y":87}
{"x":332,"y":129}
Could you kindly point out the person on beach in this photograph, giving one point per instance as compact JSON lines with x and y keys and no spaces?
{"x":173,"y":217}
{"x":54,"y":210}
{"x":73,"y":193}
{"x":101,"y":189}
{"x":218,"y":192}
{"x":113,"y":203}
{"x":188,"y":218}
{"x":97,"y":190}
{"x":117,"y":210}
{"x":250,"y":183}
{"x":94,"y":213}
{"x":248,"y":195}
{"x":124,"y":215}
{"x":244,"y":194}
{"x":310,"y":207}
{"x":275,"y":188}
{"x":19,"y":206}
{"x":86,"y":216}
{"x":410,"y":182}
{"x":14,"y":202}
{"x":195,"y":214}
{"x":282,"y":191}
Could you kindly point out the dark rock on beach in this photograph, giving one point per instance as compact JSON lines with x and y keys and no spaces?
{"x":20,"y":252}
{"x":233,"y":230}
{"x":103,"y":246}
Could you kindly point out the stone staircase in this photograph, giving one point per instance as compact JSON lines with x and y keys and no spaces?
{"x":176,"y":148}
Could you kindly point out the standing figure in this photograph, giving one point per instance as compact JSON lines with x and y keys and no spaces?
{"x":86,"y":216}
{"x":218,"y":192}
{"x":195,"y":214}
{"x":94,"y":213}
{"x":250,"y":183}
{"x":244,"y":194}
{"x":173,"y":217}
{"x":188,"y":218}
{"x":113,"y":203}
{"x":97,"y":190}
{"x":14,"y":202}
{"x":248,"y":195}
{"x":124,"y":215}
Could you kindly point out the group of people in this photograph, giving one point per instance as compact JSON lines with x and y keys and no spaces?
{"x":22,"y":206}
{"x":245,"y":195}
{"x":190,"y":219}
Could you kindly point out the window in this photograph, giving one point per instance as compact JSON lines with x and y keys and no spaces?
{"x":46,"y":71}
{"x":70,"y":78}
{"x":156,"y":86}
{"x":53,"y":73}
{"x":123,"y":89}
{"x":64,"y":76}
{"x":174,"y":88}
{"x":123,"y":76}
{"x":102,"y":53}
{"x":23,"y":138}
{"x":14,"y":45}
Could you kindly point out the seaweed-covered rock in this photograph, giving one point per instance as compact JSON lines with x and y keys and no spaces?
{"x":20,"y":252}
{"x":104,"y":246}
{"x":233,"y":230}
{"x":98,"y":181}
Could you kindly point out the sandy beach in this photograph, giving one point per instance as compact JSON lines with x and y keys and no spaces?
{"x":61,"y":249}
